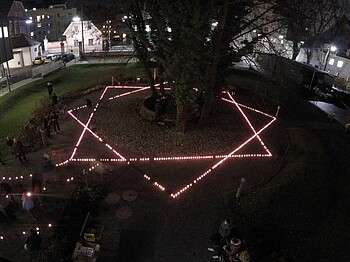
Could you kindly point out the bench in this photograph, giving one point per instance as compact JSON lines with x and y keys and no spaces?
{"x":91,"y":231}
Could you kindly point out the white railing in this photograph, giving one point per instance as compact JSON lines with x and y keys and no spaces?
{"x":46,"y":68}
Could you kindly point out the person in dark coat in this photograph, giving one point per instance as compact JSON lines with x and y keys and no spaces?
{"x":18,"y":149}
{"x":158,"y":109}
{"x":9,"y":143}
{"x":49,"y":86}
{"x":54,"y":121}
{"x":2,"y":162}
{"x":47,"y":126}
{"x":5,"y":206}
{"x":88,"y":102}
{"x":54,"y":99}
{"x":37,"y":189}
{"x":33,"y":244}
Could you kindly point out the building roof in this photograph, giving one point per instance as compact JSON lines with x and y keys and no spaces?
{"x":11,"y":8}
{"x":89,"y":27}
{"x":23,"y":41}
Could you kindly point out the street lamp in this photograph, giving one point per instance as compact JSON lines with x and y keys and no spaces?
{"x":77,"y":19}
{"x":333,"y":48}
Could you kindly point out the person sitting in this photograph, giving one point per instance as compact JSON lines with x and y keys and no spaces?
{"x":88,"y":102}
{"x":47,"y":164}
{"x":221,"y":237}
{"x":233,"y":248}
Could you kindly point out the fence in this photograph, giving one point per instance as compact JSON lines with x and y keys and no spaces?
{"x":46,"y":68}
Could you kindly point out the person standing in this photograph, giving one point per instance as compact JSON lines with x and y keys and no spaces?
{"x":54,"y":122}
{"x":27,"y":204}
{"x":33,"y":244}
{"x":6,"y":207}
{"x":2,"y":162}
{"x":49,"y":86}
{"x":37,"y":191}
{"x":18,"y":149}
{"x":47,"y":125}
{"x":9,"y":143}
{"x":54,"y":99}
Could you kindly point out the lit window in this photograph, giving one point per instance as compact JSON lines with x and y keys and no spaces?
{"x":32,"y":34}
{"x":48,"y":16}
{"x":331,"y":61}
{"x":6,"y":32}
{"x":38,"y":18}
{"x":38,"y":25}
{"x":340,"y":64}
{"x":43,"y":16}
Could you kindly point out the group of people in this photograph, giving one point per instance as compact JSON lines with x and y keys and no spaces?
{"x":51,"y":120}
{"x":52,"y":95}
{"x":9,"y":204}
{"x":17,"y":149}
{"x":226,"y":243}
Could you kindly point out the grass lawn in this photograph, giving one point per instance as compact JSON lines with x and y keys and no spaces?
{"x":17,"y":107}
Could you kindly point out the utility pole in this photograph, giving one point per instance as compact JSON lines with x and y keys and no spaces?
{"x":82,"y":29}
{"x":8,"y":76}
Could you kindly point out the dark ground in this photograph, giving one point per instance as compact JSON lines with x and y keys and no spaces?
{"x":159,"y":228}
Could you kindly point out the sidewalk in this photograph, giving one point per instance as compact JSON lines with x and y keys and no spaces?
{"x":16,"y":85}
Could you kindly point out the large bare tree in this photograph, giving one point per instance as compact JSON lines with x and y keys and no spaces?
{"x":194,"y":43}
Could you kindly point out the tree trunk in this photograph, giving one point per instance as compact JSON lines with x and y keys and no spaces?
{"x":148,"y":70}
{"x":296,"y":50}
{"x":208,"y":99}
{"x":308,"y":55}
{"x":182,"y":116}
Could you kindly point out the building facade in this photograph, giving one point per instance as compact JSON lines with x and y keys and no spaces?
{"x":25,"y":50}
{"x":17,"y":19}
{"x":83,"y":36}
{"x":50,"y":22}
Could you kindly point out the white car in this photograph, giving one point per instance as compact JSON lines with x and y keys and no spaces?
{"x":53,"y":57}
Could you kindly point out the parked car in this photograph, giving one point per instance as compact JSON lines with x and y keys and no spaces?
{"x":67,"y":57}
{"x":322,"y":95}
{"x":53,"y":57}
{"x":122,"y":48}
{"x":39,"y":60}
{"x":341,"y":95}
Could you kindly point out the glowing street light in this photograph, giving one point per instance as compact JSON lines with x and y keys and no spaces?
{"x":78,"y":19}
{"x":332,"y":48}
